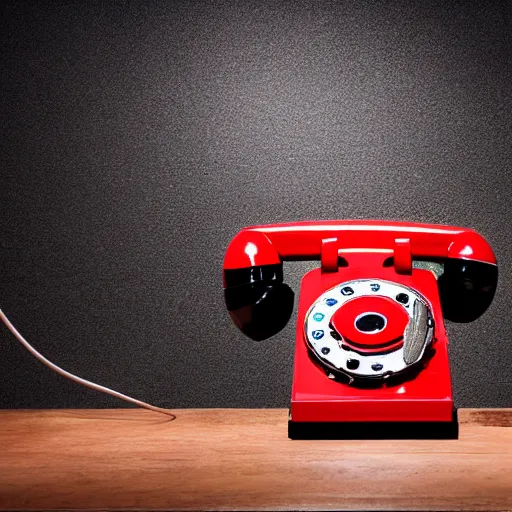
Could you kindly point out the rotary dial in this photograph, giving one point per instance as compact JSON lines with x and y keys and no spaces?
{"x":369,"y":328}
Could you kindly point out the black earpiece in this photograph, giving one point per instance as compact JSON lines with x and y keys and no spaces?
{"x":258,"y":301}
{"x":466,"y":289}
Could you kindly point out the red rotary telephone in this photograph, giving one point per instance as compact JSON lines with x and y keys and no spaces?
{"x":371,"y":356}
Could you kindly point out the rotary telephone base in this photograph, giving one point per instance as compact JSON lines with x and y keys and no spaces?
{"x":375,"y":429}
{"x":371,"y":351}
{"x":414,"y":404}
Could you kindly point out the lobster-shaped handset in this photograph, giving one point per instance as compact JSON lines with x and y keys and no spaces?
{"x":260,"y":303}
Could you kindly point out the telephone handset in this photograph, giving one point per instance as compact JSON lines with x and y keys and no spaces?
{"x":370,"y":326}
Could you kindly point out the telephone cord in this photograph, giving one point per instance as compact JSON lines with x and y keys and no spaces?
{"x":75,"y":378}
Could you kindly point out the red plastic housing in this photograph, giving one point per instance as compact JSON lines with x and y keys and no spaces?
{"x":354,"y":250}
{"x":316,"y":398}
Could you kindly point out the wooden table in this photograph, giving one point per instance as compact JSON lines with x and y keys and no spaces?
{"x":242,"y":459}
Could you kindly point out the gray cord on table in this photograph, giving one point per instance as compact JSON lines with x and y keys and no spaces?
{"x":75,"y":378}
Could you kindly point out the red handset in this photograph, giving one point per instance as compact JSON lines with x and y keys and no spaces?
{"x":263,"y":245}
{"x":371,"y":314}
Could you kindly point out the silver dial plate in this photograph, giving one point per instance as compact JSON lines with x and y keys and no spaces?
{"x":328,"y":349}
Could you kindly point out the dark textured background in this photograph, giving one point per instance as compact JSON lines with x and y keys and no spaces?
{"x":138,"y":137}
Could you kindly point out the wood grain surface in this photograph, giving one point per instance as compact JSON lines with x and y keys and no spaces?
{"x":242,"y":459}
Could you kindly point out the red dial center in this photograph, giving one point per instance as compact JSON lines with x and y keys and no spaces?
{"x":371,"y":324}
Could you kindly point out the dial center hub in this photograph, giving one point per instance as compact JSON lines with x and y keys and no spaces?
{"x":370,"y":323}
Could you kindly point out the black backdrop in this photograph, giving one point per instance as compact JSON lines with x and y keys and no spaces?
{"x":138,"y":137}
